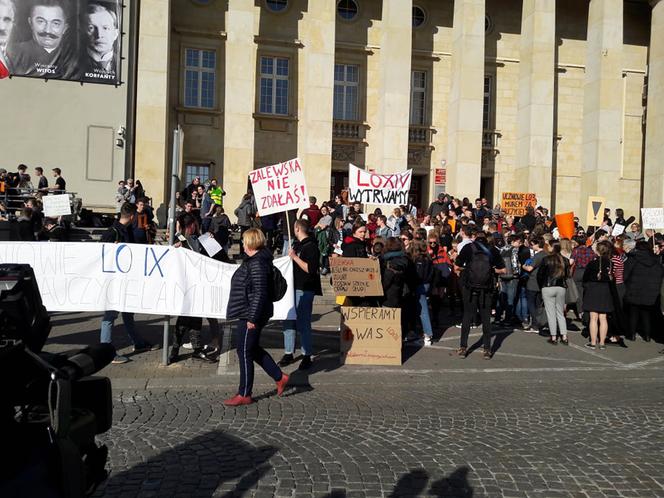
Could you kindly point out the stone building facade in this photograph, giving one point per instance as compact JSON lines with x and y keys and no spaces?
{"x":542,"y":96}
{"x":564,"y":98}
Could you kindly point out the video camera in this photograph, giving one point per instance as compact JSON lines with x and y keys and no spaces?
{"x":51,"y":407}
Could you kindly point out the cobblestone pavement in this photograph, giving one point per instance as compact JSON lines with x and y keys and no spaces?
{"x":585,"y":434}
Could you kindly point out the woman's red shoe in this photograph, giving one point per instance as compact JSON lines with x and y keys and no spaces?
{"x":281,"y":384}
{"x":238,"y":400}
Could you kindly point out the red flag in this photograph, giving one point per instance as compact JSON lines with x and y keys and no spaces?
{"x":4,"y":72}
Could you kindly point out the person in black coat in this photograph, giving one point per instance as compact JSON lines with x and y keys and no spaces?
{"x":251,"y":304}
{"x":643,"y":279}
{"x":597,"y":296}
{"x":355,"y":246}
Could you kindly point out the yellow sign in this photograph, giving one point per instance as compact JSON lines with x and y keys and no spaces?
{"x":595,"y":215}
{"x":370,"y":336}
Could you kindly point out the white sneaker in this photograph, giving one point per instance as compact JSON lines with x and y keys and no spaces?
{"x":187,"y":345}
{"x":427,"y":341}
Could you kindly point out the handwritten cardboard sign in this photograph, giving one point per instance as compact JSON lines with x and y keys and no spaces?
{"x":515,"y":203}
{"x":280,"y":187}
{"x":370,"y":336}
{"x":56,"y":205}
{"x":371,"y":188}
{"x":652,"y":218}
{"x":356,"y":277}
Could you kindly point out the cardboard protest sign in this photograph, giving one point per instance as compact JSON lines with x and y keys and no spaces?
{"x":280,"y":187}
{"x":515,"y":203}
{"x":371,"y":188}
{"x":136,"y":278}
{"x":370,"y":336}
{"x":56,"y":205}
{"x":356,"y":277}
{"x":653,"y":218}
{"x":595,"y":215}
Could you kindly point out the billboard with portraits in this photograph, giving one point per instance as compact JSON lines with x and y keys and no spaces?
{"x":74,"y":40}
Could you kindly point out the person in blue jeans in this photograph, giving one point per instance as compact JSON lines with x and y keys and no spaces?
{"x":121,"y":232}
{"x":306,"y":278}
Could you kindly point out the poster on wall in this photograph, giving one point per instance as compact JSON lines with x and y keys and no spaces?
{"x":73,"y":40}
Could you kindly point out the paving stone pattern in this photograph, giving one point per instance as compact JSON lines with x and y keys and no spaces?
{"x":525,"y":436}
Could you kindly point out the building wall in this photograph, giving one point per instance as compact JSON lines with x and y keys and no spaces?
{"x":70,"y":126}
{"x":277,"y":138}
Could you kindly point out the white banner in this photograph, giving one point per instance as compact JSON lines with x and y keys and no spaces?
{"x":137,"y":278}
{"x":280,"y":187}
{"x":372,"y":188}
{"x":56,"y":205}
{"x":652,"y":217}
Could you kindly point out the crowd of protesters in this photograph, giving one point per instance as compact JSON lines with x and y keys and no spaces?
{"x":490,"y":269}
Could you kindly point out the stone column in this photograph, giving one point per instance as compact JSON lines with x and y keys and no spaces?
{"x":152,"y":132}
{"x":603,"y":104}
{"x":536,"y":97}
{"x":316,"y":95}
{"x":464,"y":130}
{"x":240,"y":95}
{"x":388,"y":88}
{"x":653,"y":178}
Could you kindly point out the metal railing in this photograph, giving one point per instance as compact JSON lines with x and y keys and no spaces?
{"x":490,"y":139}
{"x":419,"y":134}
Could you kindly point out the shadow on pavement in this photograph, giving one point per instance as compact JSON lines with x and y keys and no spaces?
{"x":415,"y":482}
{"x":198,"y":467}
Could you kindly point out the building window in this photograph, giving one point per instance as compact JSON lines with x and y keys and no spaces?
{"x":274,"y":85}
{"x":196,"y":170}
{"x":418,"y":91}
{"x":346,"y":84}
{"x":347,"y":9}
{"x":486,"y":115}
{"x":199,"y":78}
{"x":276,"y":5}
{"x":419,"y":16}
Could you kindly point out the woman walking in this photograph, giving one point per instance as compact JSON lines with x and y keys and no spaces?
{"x":597,"y":297}
{"x":552,"y":278}
{"x":250,"y":302}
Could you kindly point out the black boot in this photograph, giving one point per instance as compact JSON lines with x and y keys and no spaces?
{"x":200,"y":355}
{"x":174,"y":355}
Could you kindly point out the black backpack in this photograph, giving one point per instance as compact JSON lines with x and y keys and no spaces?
{"x":277,"y":285}
{"x":479,"y":272}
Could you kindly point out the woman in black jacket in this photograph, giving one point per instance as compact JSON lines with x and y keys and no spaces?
{"x":250,"y":302}
{"x":355,"y":245}
{"x":597,"y":296}
{"x":552,"y":278}
{"x":643,"y":280}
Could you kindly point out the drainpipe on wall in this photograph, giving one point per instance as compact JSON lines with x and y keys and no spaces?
{"x":132,"y":70}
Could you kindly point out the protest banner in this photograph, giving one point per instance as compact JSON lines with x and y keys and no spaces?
{"x":137,"y":278}
{"x":595,"y":215}
{"x":515,"y":203}
{"x":652,"y":218}
{"x":280,"y":187}
{"x":356,"y":277}
{"x":370,"y":336}
{"x":56,"y":205}
{"x":384,"y":190}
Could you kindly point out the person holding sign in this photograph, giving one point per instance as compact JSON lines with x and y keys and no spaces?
{"x":121,"y":232}
{"x":306,"y":256}
{"x":250,"y":302}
